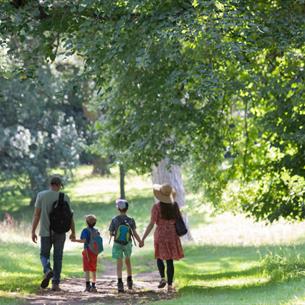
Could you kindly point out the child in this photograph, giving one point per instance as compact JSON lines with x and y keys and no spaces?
{"x":123,"y":228}
{"x":89,"y":257}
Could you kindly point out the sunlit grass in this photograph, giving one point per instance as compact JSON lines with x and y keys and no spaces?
{"x":225,"y":264}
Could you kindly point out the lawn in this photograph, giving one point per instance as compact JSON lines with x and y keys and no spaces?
{"x":232,"y":260}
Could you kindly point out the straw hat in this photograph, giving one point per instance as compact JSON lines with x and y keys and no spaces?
{"x":164,"y":192}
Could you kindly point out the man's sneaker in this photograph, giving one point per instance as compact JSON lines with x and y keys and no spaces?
{"x":45,"y":282}
{"x":129,"y":283}
{"x":162,"y":283}
{"x":120,"y":287}
{"x":55,"y":287}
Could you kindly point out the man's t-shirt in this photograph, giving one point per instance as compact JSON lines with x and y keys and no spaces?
{"x":44,"y":201}
{"x":120,"y":219}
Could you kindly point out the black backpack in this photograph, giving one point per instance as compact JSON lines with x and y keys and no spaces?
{"x":60,"y":215}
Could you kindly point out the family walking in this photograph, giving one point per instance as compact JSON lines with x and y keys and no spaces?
{"x":53,"y":212}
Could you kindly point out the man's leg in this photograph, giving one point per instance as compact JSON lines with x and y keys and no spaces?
{"x":58,"y":248}
{"x":45,"y":249}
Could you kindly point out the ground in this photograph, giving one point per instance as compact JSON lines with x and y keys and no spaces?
{"x":145,"y":290}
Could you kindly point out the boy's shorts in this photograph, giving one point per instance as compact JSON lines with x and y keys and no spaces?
{"x":119,"y":251}
{"x":89,"y":261}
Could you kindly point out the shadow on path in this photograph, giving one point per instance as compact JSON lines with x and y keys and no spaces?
{"x":145,"y":291}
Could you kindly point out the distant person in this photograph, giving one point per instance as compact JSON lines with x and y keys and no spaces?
{"x":123,"y":228}
{"x":93,"y":245}
{"x":166,"y":241}
{"x":46,"y":208}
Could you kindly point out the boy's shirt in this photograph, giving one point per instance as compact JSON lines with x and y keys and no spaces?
{"x":85,"y":235}
{"x":118,"y":220}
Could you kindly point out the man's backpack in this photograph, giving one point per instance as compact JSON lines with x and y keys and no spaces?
{"x":123,"y":233}
{"x":60,"y":215}
{"x":96,"y":242}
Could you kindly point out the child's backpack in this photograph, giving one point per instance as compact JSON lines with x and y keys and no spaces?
{"x":123,"y":233}
{"x":96,"y":242}
{"x":60,"y":215}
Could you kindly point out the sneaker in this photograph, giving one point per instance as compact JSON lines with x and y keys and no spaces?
{"x":87,"y":289}
{"x":170,"y":289}
{"x":162,"y":283}
{"x":120,"y":287}
{"x":129,"y":284}
{"x":47,"y":277}
{"x":93,"y":289}
{"x":55,"y":287}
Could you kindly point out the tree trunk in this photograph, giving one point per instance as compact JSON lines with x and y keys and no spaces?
{"x":171,"y":174}
{"x":122,"y":181}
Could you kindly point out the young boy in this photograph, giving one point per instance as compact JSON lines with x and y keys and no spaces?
{"x":89,"y":258}
{"x":123,"y":229}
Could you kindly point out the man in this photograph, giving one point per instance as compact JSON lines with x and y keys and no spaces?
{"x":43,"y":206}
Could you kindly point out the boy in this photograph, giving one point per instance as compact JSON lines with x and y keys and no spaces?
{"x":89,"y":258}
{"x":123,"y":228}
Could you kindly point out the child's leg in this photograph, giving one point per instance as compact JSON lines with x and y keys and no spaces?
{"x":119,"y":266}
{"x":129,"y":272}
{"x":128,"y":266}
{"x":87,"y":277}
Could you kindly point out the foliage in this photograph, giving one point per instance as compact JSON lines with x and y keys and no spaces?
{"x":219,"y":84}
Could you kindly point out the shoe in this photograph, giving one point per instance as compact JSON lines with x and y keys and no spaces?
{"x":170,"y":289}
{"x":129,"y":284}
{"x":87,"y":289}
{"x":45,"y":282}
{"x":162,"y":283}
{"x":55,"y":287}
{"x":120,"y":287}
{"x":93,"y":289}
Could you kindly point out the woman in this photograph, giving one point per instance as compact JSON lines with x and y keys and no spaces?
{"x":166,"y":241}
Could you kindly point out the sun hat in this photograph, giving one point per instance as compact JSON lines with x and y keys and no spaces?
{"x":121,"y":204}
{"x":164,"y":192}
{"x":91,"y":219}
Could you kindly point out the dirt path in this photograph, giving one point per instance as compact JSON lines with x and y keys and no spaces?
{"x":145,"y":290}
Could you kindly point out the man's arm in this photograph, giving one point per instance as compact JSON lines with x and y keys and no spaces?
{"x":36,"y":218}
{"x":72,"y":235}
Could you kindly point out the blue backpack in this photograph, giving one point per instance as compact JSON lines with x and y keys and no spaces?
{"x":123,"y":233}
{"x":96,"y":242}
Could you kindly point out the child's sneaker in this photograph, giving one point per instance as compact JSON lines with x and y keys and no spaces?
{"x":120,"y":287}
{"x":46,"y":280}
{"x":129,"y":283}
{"x":93,"y":289}
{"x":87,"y":289}
{"x":162,"y":283}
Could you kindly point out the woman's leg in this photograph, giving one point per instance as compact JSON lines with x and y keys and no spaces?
{"x":161,"y":267}
{"x":170,"y":271}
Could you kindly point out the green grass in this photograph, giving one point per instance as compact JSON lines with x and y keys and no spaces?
{"x":233,"y":260}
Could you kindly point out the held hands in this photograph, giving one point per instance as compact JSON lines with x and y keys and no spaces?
{"x":72,"y":237}
{"x":141,"y":243}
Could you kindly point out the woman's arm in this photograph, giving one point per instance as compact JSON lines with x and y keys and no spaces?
{"x":148,"y":230}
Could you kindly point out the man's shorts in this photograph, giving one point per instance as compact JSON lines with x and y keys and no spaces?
{"x":119,"y":251}
{"x":89,"y":261}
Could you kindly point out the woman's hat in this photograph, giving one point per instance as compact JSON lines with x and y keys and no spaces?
{"x":164,"y":192}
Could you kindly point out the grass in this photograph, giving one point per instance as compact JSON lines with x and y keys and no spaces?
{"x":231,"y":261}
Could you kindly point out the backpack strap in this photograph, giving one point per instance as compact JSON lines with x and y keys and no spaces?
{"x":61,"y":198}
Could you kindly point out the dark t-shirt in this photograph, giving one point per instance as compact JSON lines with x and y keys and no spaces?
{"x":120,"y":219}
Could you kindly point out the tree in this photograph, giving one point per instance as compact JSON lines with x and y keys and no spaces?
{"x":200,"y":82}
